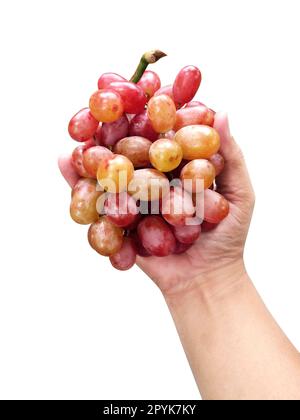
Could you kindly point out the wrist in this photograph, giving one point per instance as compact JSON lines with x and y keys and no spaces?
{"x":210,"y":286}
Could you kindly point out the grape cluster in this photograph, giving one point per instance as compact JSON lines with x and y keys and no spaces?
{"x":147,"y":162}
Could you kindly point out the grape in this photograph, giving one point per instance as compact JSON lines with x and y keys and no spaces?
{"x":125,"y":258}
{"x":98,"y":135}
{"x":106,"y":105}
{"x":207,"y":227}
{"x":165,"y":90}
{"x":168,"y":135}
{"x":92,"y":158}
{"x":162,"y":113}
{"x":107,"y":78}
{"x":121,"y":209}
{"x":113,"y":132}
{"x":186,"y":84}
{"x":198,"y":141}
{"x":138,"y":245}
{"x":181,"y":248}
{"x":136,"y":149}
{"x":83,"y":207}
{"x":150,"y":83}
{"x":194,"y":103}
{"x":187,"y":234}
{"x":83,"y":125}
{"x":177,"y":207}
{"x":148,"y":185}
{"x":104,"y":237}
{"x":216,"y":207}
{"x":77,"y":158}
{"x":133,"y":96}
{"x":197,"y":170}
{"x":135,"y":223}
{"x":165,"y":155}
{"x":156,"y":236}
{"x":218,"y":161}
{"x":115,"y":173}
{"x":141,"y":126}
{"x":192,"y":116}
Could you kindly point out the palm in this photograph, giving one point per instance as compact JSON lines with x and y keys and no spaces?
{"x":218,"y":247}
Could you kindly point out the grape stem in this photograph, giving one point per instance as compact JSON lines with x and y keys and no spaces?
{"x":149,"y":57}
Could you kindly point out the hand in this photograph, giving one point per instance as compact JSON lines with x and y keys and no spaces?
{"x":218,"y":251}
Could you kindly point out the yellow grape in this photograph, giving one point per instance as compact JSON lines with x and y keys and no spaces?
{"x":198,"y":169}
{"x":198,"y":141}
{"x":104,"y":237}
{"x":115,"y":173}
{"x":165,"y":155}
{"x":106,"y":106}
{"x":83,"y":207}
{"x":148,"y":185}
{"x":162,"y":113}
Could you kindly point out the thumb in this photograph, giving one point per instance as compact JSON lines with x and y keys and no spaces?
{"x":234,"y":182}
{"x":67,"y":170}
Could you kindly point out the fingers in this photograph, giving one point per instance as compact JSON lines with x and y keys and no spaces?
{"x":67,"y":170}
{"x":234,"y":182}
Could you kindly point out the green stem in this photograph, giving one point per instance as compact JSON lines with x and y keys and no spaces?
{"x":149,"y":57}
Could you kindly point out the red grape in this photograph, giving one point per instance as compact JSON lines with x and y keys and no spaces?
{"x":121,"y":209}
{"x":187,"y":234}
{"x":181,"y":248}
{"x":194,"y":103}
{"x":177,"y":207}
{"x":156,"y":236}
{"x":114,"y":131}
{"x":218,"y":161}
{"x":98,"y":135}
{"x":77,"y":158}
{"x":92,"y":158}
{"x":192,"y":116}
{"x":186,"y":84}
{"x":139,"y":247}
{"x":125,"y":258}
{"x":141,"y":126}
{"x":107,"y":78}
{"x":150,"y":83}
{"x":216,"y":207}
{"x":133,"y":96}
{"x":83,"y":125}
{"x":106,"y":105}
{"x":207,"y":227}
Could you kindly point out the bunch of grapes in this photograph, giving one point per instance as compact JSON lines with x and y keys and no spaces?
{"x":147,"y":163}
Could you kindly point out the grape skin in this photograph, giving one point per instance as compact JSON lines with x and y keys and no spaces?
{"x":198,"y":141}
{"x":136,"y":149}
{"x":115,"y":173}
{"x":162,"y":113}
{"x":165,"y":155}
{"x":106,"y":106}
{"x":198,"y":169}
{"x":125,"y":258}
{"x":83,"y":208}
{"x":83,"y":125}
{"x":92,"y":157}
{"x":104,"y":237}
{"x":156,"y":236}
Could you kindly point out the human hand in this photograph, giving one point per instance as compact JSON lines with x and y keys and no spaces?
{"x":217,"y":251}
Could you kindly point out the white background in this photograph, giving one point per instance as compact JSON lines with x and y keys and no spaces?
{"x":71,"y":326}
